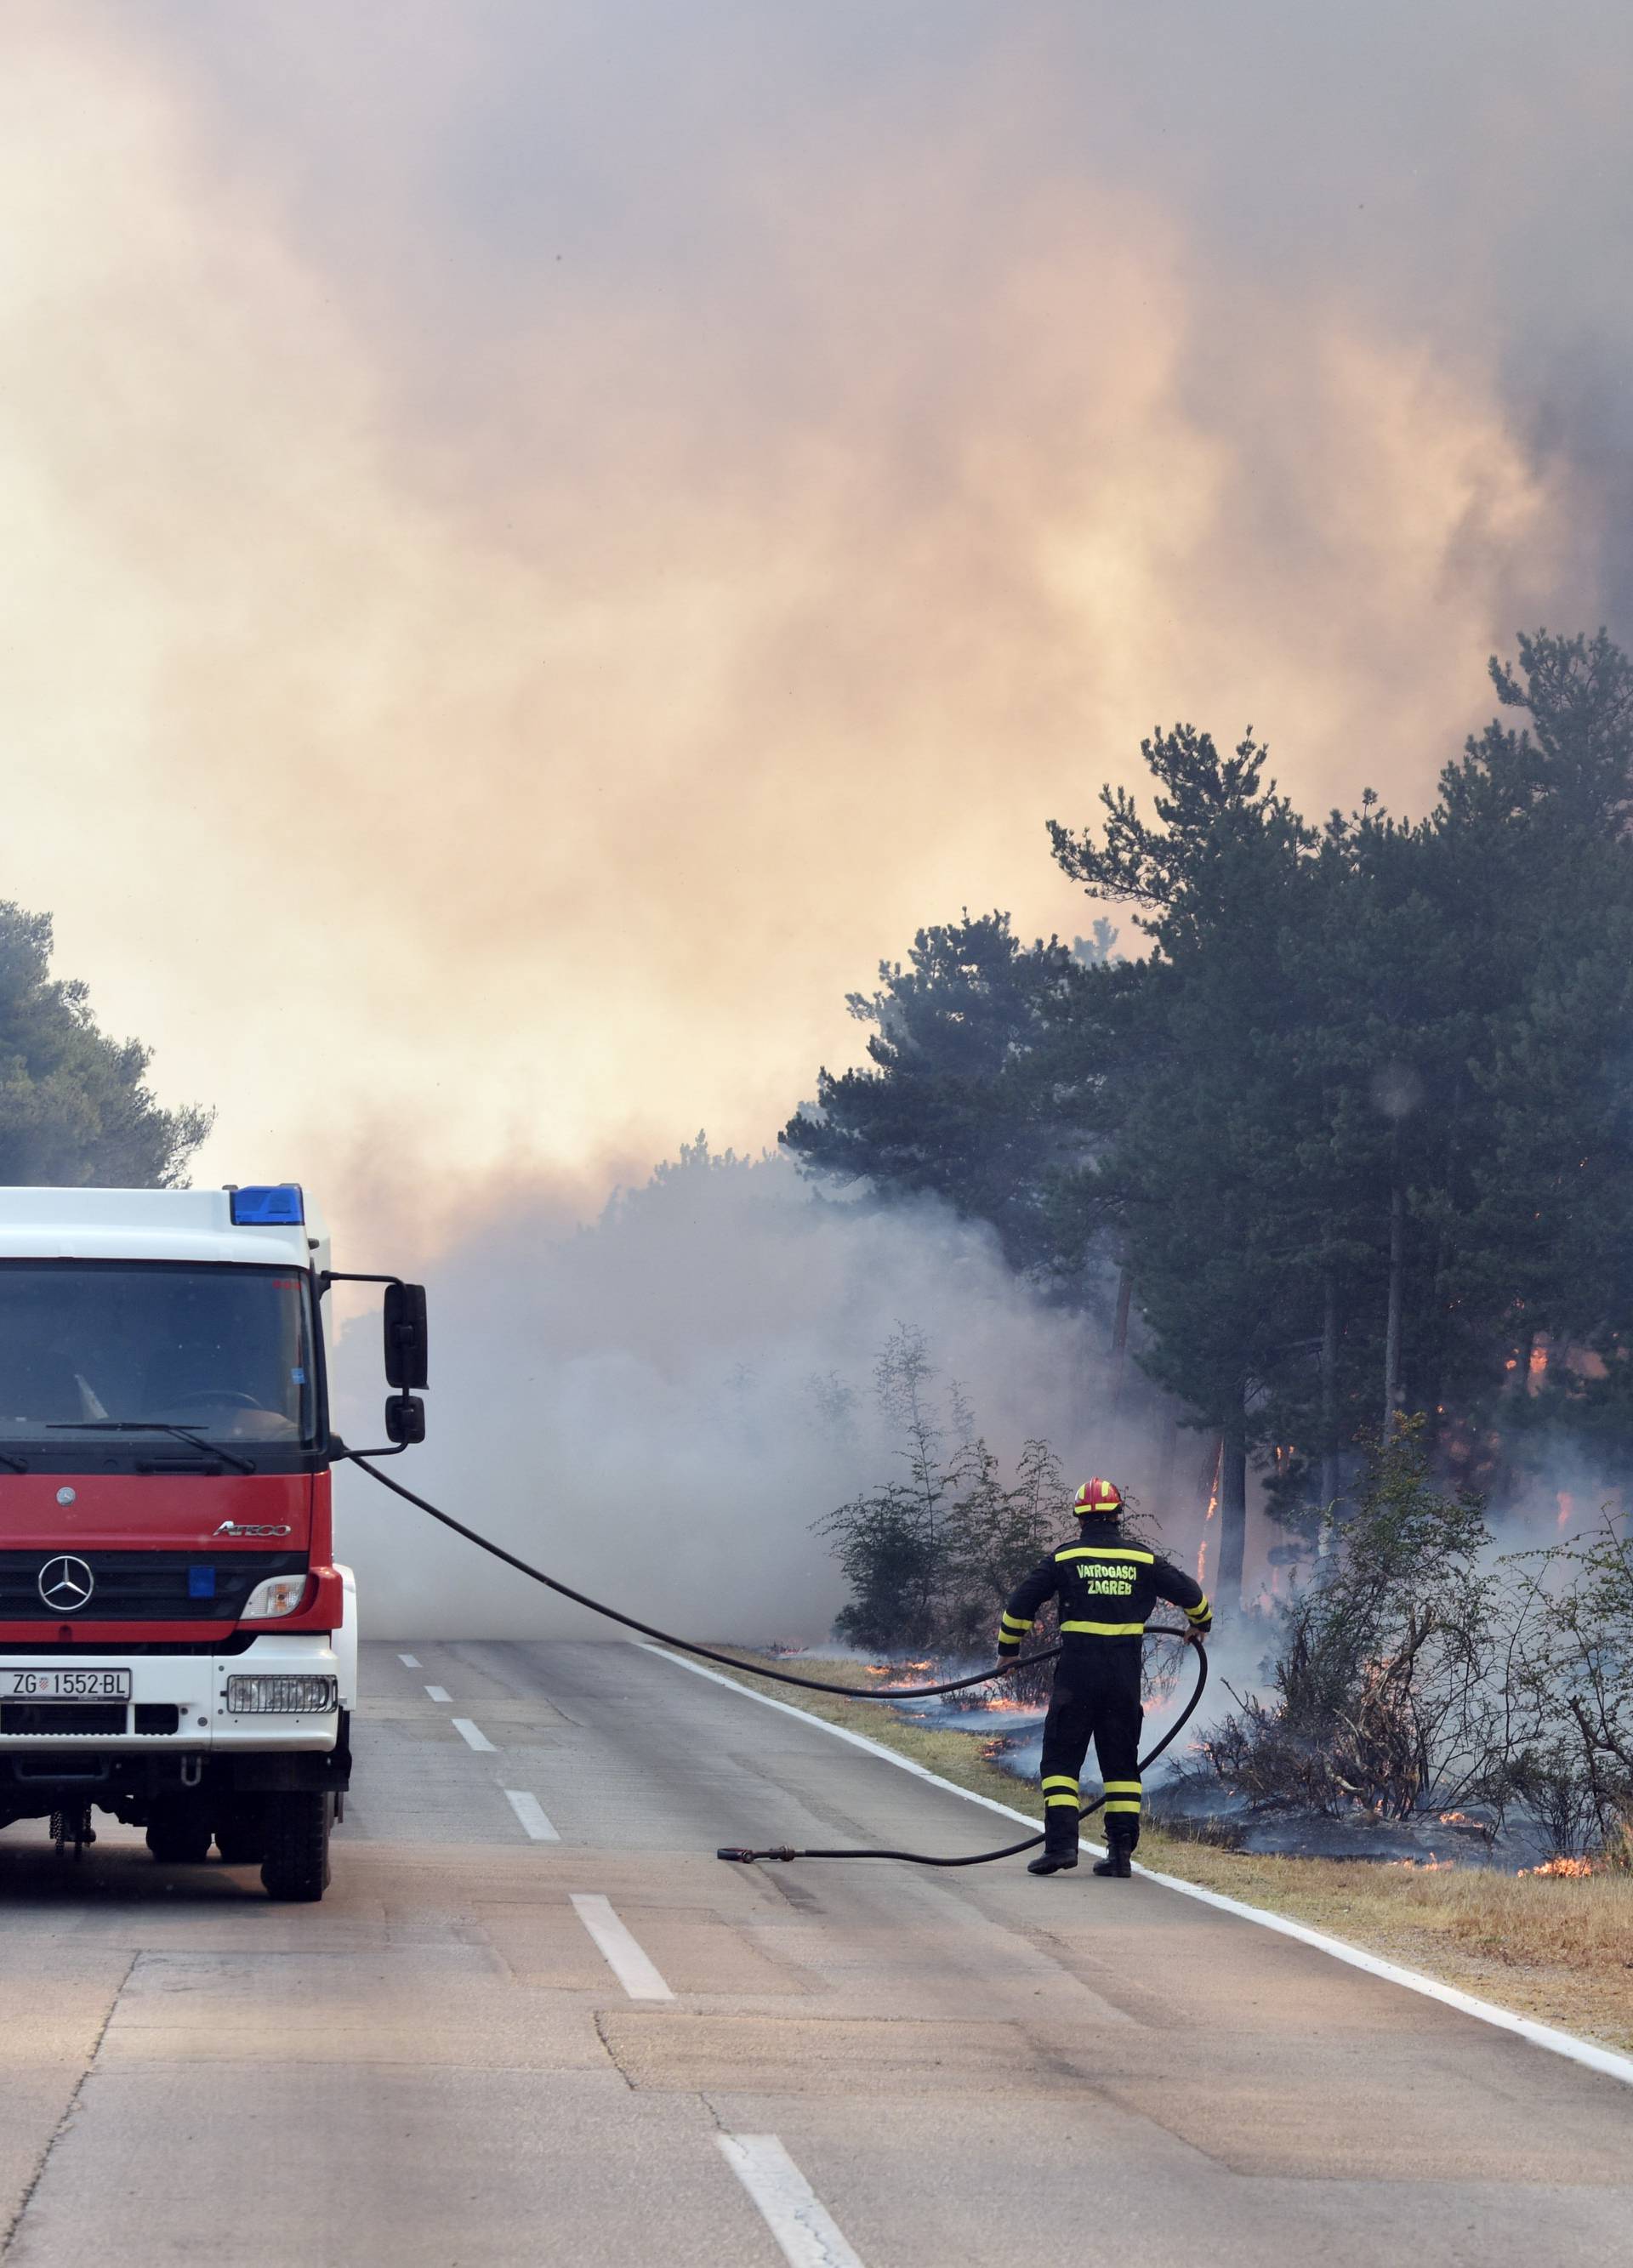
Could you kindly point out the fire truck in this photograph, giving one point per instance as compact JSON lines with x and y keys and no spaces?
{"x":178,"y":1647}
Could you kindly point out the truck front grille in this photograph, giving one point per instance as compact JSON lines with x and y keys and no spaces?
{"x":170,"y":1587}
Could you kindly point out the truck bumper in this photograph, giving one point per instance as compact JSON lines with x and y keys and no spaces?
{"x":179,"y":1702}
{"x":178,"y":1727}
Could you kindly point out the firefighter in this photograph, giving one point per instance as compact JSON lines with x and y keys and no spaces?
{"x":1106,"y":1585}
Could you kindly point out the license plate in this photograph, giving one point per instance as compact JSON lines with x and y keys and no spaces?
{"x":66,"y":1684}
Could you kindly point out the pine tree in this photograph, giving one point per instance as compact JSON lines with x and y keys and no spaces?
{"x":75,"y":1106}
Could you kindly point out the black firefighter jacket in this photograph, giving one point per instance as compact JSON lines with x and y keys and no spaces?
{"x":1107,"y":1586}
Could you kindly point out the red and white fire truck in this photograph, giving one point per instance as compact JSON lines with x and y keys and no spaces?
{"x":177,"y":1646}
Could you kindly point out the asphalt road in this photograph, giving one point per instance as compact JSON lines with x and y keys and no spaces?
{"x":535,"y":2020}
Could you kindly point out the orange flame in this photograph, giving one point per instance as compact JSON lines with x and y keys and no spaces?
{"x":1572,"y":1869}
{"x":1213,"y":1507}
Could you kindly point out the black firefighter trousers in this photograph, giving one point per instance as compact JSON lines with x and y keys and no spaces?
{"x":1096,"y":1696}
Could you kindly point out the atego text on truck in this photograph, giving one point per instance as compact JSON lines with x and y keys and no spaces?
{"x":177,"y":1646}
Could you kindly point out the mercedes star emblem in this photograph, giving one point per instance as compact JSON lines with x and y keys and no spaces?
{"x":66,"y":1584}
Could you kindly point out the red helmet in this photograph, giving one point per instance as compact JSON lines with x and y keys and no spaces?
{"x":1097,"y":1496}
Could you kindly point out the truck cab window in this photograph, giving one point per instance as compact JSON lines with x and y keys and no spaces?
{"x":223,"y":1351}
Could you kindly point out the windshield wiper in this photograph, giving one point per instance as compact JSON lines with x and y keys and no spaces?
{"x":18,"y":1464}
{"x":208,"y":1447}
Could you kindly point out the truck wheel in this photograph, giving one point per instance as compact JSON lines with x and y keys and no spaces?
{"x":241,"y":1833}
{"x":296,"y":1865}
{"x":179,"y":1836}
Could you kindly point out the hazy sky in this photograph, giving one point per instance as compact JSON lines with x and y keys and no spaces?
{"x":541,"y":540}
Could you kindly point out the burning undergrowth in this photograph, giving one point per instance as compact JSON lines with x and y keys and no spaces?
{"x":1428,"y":1699}
{"x":1007,"y":1723}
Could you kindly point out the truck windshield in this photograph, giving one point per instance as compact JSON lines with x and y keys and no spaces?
{"x":224,"y":1352}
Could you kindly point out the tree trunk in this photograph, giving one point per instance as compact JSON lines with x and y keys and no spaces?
{"x":1233,"y":1514}
{"x":1435,"y":1383}
{"x":1165,"y":1463}
{"x":1329,"y":1485}
{"x":1208,"y":1572}
{"x":1119,"y":1356}
{"x":1391,"y":1327}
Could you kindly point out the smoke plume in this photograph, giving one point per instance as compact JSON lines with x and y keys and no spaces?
{"x":544,"y":540}
{"x":657,"y":1408}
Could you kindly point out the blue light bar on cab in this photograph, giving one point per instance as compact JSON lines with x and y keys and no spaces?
{"x":281,"y":1206}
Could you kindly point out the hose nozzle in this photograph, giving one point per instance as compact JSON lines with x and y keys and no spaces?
{"x":748,"y":1858}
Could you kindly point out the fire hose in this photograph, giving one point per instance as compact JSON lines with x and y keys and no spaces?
{"x":814,"y":1684}
{"x":1008,"y":1850}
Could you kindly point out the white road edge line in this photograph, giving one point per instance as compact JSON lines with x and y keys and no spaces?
{"x":438,"y":1693}
{"x":472,"y":1735}
{"x":633,"y":1969}
{"x":529,"y":1809}
{"x":844,"y":1733}
{"x":409,"y":1660}
{"x":1542,"y":2035}
{"x":789,"y":2206}
{"x":1604,"y":2060}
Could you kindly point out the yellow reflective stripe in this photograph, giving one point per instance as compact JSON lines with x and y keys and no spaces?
{"x":1196,"y":1613}
{"x":1060,"y":1779}
{"x":1121,"y":1787}
{"x":1070,"y":1801}
{"x":1106,"y":1552}
{"x":1015,"y":1622}
{"x":1133,"y":1804}
{"x":1104,"y":1630}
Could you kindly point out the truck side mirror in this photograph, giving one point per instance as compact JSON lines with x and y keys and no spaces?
{"x":408,"y":1354}
{"x":405,"y":1420}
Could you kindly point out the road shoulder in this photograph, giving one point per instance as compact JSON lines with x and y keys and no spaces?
{"x":1554,"y":1953}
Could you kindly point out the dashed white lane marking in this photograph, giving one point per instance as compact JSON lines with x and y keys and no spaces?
{"x":409,"y":1660}
{"x":473,"y":1736}
{"x":623,"y":1956}
{"x":438,"y":1693}
{"x":1542,"y":2035}
{"x":529,"y":1809}
{"x":789,"y":2206}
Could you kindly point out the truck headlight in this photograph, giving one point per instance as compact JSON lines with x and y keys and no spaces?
{"x":285,"y":1695}
{"x":279,"y":1594}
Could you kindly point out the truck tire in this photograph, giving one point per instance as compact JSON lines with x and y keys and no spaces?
{"x":179,"y":1836}
{"x":241,"y":1831}
{"x":296,"y":1865}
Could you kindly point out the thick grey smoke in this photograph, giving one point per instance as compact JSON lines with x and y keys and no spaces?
{"x":684,"y":493}
{"x":657,"y":1407}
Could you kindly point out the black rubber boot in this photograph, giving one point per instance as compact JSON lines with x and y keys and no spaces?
{"x":1060,"y":1851}
{"x":1121,"y":1835}
{"x":1051,"y":1862}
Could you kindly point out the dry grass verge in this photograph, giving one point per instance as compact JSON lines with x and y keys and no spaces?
{"x":1556,"y":1948}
